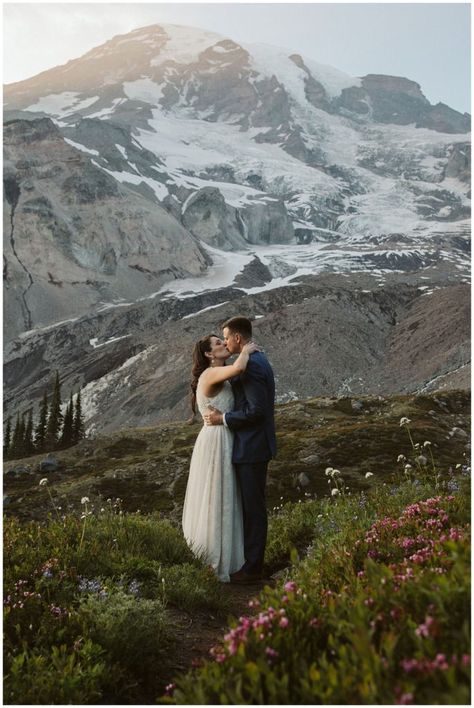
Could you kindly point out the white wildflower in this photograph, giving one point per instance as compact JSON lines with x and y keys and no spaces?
{"x":369,"y":474}
{"x":422,"y":460}
{"x":426,"y":443}
{"x":85,"y":500}
{"x":401,"y":458}
{"x":408,"y":467}
{"x":458,"y":466}
{"x":334,"y":492}
{"x":404,"y":421}
{"x":43,"y":481}
{"x":329,"y":471}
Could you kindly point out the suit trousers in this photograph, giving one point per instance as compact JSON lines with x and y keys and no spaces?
{"x":252,"y":478}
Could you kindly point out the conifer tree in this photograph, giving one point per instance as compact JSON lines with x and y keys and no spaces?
{"x":17,"y":441}
{"x":55,"y":417}
{"x":67,"y":433}
{"x":78,"y":424}
{"x":7,"y":438}
{"x":40,"y":432}
{"x":28,"y":444}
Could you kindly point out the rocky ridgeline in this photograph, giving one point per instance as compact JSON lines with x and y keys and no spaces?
{"x":147,"y":467}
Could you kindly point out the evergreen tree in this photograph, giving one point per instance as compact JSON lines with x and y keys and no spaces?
{"x":7,"y":438}
{"x":78,"y":424}
{"x":17,"y":441}
{"x":28,"y":444}
{"x":40,"y":432}
{"x":68,"y":425}
{"x":55,"y":417}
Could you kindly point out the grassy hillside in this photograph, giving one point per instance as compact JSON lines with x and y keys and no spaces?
{"x":368,"y":600}
{"x":147,"y":467}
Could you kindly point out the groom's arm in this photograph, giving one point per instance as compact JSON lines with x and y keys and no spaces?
{"x":255,"y":385}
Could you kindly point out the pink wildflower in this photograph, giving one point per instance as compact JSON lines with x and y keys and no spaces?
{"x":284,"y":622}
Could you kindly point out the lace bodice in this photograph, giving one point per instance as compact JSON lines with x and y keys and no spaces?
{"x":223,"y":401}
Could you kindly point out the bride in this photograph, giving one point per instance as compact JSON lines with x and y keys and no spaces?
{"x":212,"y":513}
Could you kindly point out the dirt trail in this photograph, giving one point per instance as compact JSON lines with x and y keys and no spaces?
{"x":196,"y":633}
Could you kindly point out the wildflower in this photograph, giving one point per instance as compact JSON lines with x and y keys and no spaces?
{"x":334,"y":492}
{"x":169,"y":690}
{"x":404,"y":421}
{"x":405,"y":699}
{"x":426,"y":443}
{"x":43,"y":481}
{"x":401,"y":458}
{"x":329,"y":471}
{"x":271,"y":653}
{"x":85,"y":500}
{"x":284,"y":622}
{"x":408,"y":467}
{"x":290,"y":586}
{"x":369,"y":474}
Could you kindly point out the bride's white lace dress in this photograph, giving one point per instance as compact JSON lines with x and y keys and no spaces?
{"x":212,"y":514}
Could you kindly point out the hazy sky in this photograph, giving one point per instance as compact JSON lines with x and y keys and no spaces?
{"x":426,"y":42}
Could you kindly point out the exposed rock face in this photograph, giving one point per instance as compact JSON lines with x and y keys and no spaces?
{"x":327,"y":336}
{"x":74,"y":236}
{"x":394,"y":99}
{"x":207,"y":215}
{"x":459,"y":162}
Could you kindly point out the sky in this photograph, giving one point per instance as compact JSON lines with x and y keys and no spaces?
{"x":426,"y":42}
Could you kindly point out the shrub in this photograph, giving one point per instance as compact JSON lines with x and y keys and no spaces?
{"x":56,"y":676}
{"x":132,"y":630}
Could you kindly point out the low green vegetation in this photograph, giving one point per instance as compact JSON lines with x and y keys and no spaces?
{"x":377,"y":612}
{"x":86,"y":602}
{"x":369,"y":603}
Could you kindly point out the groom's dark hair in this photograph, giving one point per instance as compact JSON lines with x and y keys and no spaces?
{"x":239,"y":325}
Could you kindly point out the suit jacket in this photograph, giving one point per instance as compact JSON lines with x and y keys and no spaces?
{"x":252,"y":419}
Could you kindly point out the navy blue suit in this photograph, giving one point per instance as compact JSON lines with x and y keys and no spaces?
{"x":253,"y":424}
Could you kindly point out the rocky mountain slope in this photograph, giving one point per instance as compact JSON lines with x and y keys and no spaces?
{"x":171,"y":178}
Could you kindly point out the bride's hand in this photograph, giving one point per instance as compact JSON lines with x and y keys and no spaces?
{"x":250,"y":348}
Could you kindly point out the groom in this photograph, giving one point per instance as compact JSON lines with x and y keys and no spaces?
{"x":252,"y":422}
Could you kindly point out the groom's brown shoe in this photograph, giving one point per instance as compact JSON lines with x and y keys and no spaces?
{"x":242,"y":577}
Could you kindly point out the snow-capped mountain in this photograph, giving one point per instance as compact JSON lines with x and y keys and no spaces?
{"x":132,"y":172}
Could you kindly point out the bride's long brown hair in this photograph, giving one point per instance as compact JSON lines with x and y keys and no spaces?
{"x":200,"y":363}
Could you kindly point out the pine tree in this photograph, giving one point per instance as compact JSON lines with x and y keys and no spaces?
{"x":7,"y":438}
{"x":40,"y":432}
{"x":17,"y":440}
{"x":55,"y":417}
{"x":67,"y":433}
{"x":78,"y":424}
{"x":28,"y":444}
